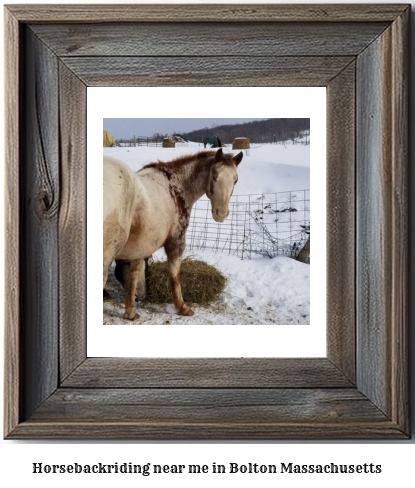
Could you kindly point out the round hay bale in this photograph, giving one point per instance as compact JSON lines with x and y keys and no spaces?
{"x":169,"y":142}
{"x":200,"y":282}
{"x":241,"y":143}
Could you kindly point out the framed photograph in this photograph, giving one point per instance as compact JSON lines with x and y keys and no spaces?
{"x":238,"y":276}
{"x":56,"y":56}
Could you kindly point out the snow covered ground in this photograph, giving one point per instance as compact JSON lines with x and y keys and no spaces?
{"x":259,"y":290}
{"x":266,"y":168}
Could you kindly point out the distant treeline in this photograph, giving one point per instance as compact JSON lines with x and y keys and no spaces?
{"x":259,"y":131}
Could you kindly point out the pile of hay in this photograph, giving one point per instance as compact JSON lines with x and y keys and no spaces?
{"x":241,"y":143}
{"x":169,"y":142}
{"x":201,"y":283}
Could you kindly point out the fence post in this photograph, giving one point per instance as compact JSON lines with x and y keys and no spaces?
{"x":304,"y":254}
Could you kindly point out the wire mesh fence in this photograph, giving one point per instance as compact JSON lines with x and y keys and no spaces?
{"x":269,"y":224}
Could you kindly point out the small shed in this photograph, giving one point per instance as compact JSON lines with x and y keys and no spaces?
{"x":241,"y":143}
{"x":109,"y":140}
{"x":169,"y":142}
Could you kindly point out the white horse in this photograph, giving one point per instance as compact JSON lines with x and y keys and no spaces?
{"x":150,"y":209}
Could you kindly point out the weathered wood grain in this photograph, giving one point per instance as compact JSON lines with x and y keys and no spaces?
{"x":206,"y":373}
{"x":72,"y":222}
{"x":382,"y":222}
{"x":341,"y":236}
{"x":188,"y":430}
{"x":209,"y":405}
{"x":400,"y":246}
{"x":13,"y":273}
{"x":198,"y":71}
{"x":373,"y":223}
{"x":205,"y":13}
{"x":40,"y":177}
{"x":209,"y":415}
{"x":209,"y":39}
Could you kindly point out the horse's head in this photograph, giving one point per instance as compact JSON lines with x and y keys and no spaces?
{"x":222,"y":179}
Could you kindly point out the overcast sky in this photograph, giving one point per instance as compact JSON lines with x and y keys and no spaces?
{"x":128,"y":128}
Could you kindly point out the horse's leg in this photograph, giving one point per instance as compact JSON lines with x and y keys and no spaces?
{"x":136,"y":269}
{"x":174,"y":256}
{"x":106,"y":266}
{"x":122,"y":273}
{"x":104,"y":275}
{"x":141,"y":285}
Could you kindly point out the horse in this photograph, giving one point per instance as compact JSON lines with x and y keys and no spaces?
{"x":213,"y":141}
{"x":150,"y":209}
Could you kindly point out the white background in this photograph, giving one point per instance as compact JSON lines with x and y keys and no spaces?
{"x":188,"y":340}
{"x":395,"y":457}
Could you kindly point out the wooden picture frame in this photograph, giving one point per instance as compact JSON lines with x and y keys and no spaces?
{"x":359,"y":391}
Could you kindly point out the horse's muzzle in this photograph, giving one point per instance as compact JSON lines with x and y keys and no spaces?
{"x":219,"y":217}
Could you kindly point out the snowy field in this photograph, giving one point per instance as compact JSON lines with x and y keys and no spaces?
{"x":268,"y":168}
{"x":259,"y":290}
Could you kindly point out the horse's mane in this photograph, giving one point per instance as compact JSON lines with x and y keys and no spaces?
{"x":179,"y":163}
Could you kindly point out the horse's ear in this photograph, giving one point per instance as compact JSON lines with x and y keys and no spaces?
{"x":218,"y":155}
{"x":238,"y":158}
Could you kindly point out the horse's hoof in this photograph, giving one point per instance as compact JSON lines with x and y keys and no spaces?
{"x":131,"y":316}
{"x":186,"y":311}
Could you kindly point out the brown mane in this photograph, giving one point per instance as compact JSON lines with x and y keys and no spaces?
{"x":177,"y":165}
